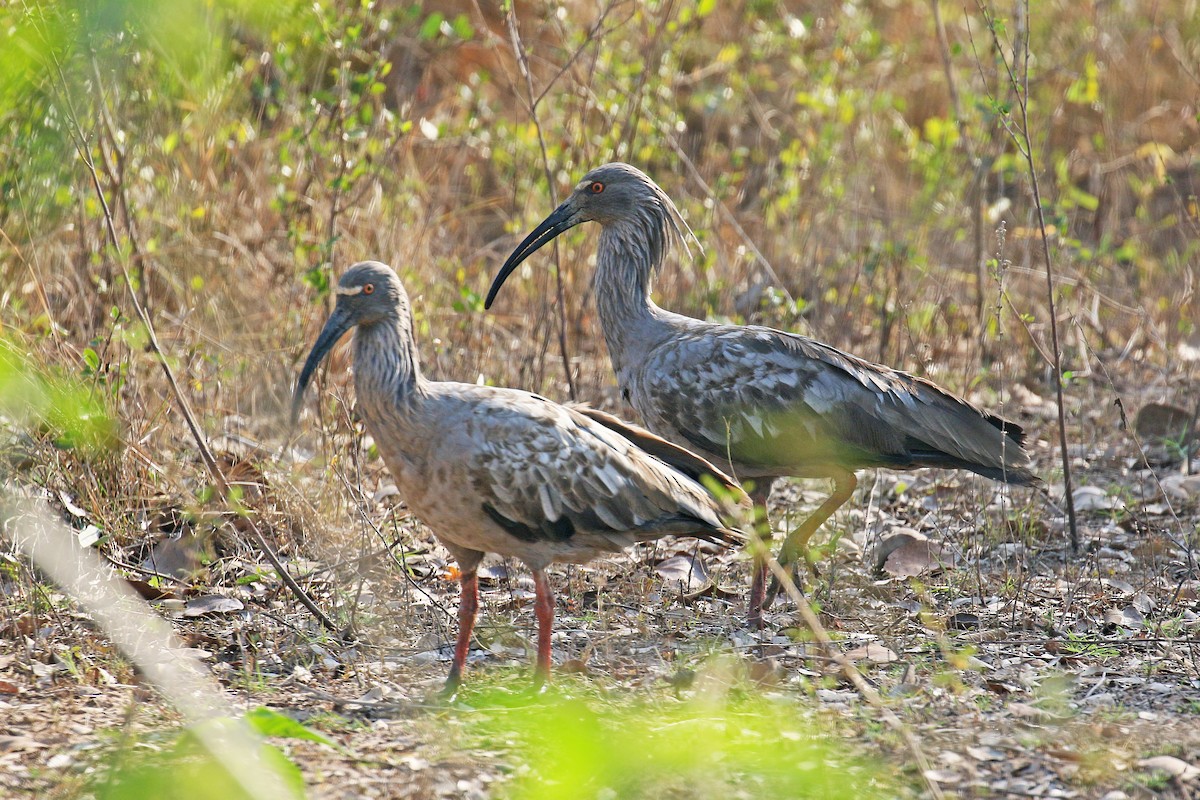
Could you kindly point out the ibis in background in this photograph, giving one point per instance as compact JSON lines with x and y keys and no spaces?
{"x":758,"y":402}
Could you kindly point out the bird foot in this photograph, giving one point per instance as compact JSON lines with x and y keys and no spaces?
{"x":449,"y":691}
{"x":797,"y":578}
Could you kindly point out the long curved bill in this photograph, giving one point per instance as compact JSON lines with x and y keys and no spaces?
{"x":335,"y":328}
{"x":561,"y":219}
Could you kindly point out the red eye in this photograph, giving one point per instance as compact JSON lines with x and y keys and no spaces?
{"x":597,"y":187}
{"x":368,"y":288}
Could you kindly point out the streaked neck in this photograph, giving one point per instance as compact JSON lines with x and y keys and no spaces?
{"x":632,"y":322}
{"x":387,"y":368}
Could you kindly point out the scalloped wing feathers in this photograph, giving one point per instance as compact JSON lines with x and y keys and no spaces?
{"x":545,"y":472}
{"x":781,"y":403}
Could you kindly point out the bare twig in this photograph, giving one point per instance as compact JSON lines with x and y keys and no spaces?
{"x":855,"y":677}
{"x":206,"y":454}
{"x":560,"y":295}
{"x":1018,"y":78}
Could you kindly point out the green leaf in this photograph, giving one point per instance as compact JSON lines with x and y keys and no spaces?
{"x":1085,"y":90}
{"x":318,"y":279}
{"x":92,"y":360}
{"x":432,"y":26}
{"x":190,"y":771}
{"x":269,"y":722}
{"x":462,"y":27}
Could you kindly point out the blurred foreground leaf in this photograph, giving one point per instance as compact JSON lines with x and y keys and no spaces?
{"x":269,"y":722}
{"x":738,"y":744}
{"x":188,"y":771}
{"x":32,"y":397}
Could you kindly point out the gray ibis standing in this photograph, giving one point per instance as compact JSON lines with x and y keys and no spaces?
{"x":759,"y":402}
{"x":505,"y":471}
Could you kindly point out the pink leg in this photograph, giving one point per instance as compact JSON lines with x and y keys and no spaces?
{"x":758,"y":567}
{"x":468,"y":606}
{"x":758,"y":593}
{"x":544,"y":608}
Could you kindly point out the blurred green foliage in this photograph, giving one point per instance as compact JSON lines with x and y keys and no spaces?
{"x":42,"y":403}
{"x":720,"y":741}
{"x":188,"y":768}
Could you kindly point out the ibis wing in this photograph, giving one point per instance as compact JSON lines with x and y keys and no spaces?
{"x":547,"y":472}
{"x":775,"y":399}
{"x":694,"y":466}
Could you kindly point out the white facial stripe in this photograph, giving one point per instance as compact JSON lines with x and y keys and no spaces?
{"x":348,"y":290}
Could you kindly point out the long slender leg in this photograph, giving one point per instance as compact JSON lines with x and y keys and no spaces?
{"x":468,"y":606}
{"x":758,"y":566}
{"x":544,"y":608}
{"x":758,"y":592}
{"x":796,"y":543}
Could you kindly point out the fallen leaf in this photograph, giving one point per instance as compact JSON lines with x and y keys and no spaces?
{"x":372,"y":695}
{"x":88,"y":536}
{"x":907,"y":554}
{"x":389,"y":490}
{"x":149,"y":591}
{"x":1162,"y":420}
{"x":1175,"y":767}
{"x":1119,"y":585}
{"x":1000,"y":687}
{"x":874,"y":652}
{"x":943,"y":776}
{"x":8,"y":688}
{"x":986,"y":754}
{"x":70,"y":506}
{"x":1026,"y":711}
{"x":1143,"y":603}
{"x":177,"y":556}
{"x":211,"y":604}
{"x":687,"y":570}
{"x":1128,"y":617}
{"x":18,"y":743}
{"x":711,"y":589}
{"x":492,"y":573}
{"x":1093,"y":498}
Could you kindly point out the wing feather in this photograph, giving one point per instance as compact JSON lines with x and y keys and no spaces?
{"x":777,"y":400}
{"x":548,"y":472}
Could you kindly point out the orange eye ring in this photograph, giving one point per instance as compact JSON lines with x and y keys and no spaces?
{"x":368,"y":288}
{"x":597,"y":187}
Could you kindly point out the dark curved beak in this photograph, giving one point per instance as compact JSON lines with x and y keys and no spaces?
{"x":339,"y":322}
{"x":561,"y":219}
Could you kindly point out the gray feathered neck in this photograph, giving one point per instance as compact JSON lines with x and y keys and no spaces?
{"x":630,"y":252}
{"x":632,"y":249}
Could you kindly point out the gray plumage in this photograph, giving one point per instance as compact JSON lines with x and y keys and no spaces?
{"x":501,"y":470}
{"x":761,"y":402}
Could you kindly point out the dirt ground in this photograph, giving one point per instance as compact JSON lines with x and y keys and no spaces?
{"x":1021,"y":668}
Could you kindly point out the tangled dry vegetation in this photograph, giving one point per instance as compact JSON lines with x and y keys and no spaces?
{"x":854,"y":173}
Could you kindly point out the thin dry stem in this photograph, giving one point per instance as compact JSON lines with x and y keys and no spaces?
{"x":560,"y":295}
{"x":185,"y":409}
{"x":855,"y":677}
